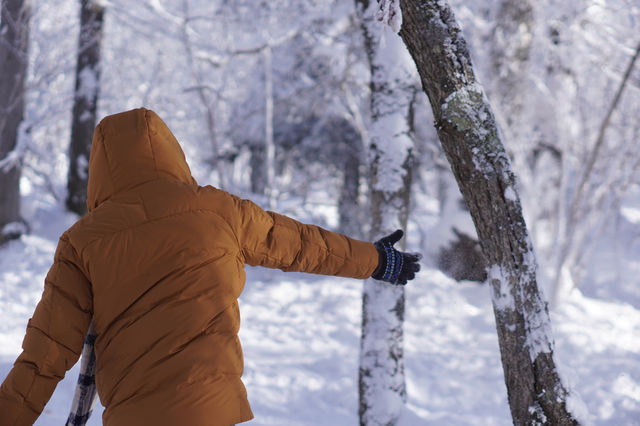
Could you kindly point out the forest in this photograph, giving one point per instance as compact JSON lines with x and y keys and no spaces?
{"x":502,"y":136}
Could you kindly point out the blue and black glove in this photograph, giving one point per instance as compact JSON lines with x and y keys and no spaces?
{"x":395,"y":267}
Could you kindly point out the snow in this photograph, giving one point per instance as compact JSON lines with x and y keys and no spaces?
{"x":393,"y":142}
{"x":82,"y":167}
{"x":14,"y":157}
{"x":536,"y":320}
{"x":539,"y":332}
{"x":385,"y":390}
{"x":16,"y":228}
{"x":86,"y":115}
{"x":539,"y":414}
{"x":466,"y":108}
{"x":632,"y":214}
{"x":389,"y":13}
{"x":502,"y":297}
{"x":389,"y":131}
{"x":300,"y":335}
{"x":510,"y":194}
{"x":88,"y":86}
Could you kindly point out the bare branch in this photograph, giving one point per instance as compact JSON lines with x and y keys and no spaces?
{"x":595,"y":152}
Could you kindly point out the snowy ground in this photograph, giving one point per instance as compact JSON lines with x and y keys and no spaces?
{"x":300,"y":335}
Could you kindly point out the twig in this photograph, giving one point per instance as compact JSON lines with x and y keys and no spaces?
{"x":600,"y":139}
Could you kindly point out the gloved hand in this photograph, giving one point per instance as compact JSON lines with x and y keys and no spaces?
{"x":395,"y":267}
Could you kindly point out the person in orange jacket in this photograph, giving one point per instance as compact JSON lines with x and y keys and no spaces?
{"x":156,"y":267}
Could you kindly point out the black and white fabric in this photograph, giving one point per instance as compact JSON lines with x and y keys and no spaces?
{"x":395,"y":267}
{"x":86,"y":394}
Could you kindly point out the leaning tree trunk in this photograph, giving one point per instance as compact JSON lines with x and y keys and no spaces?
{"x":381,"y":373}
{"x":14,"y":41}
{"x":470,"y":138}
{"x":85,"y":103}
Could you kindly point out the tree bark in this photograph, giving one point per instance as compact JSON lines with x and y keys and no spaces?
{"x":85,"y":103}
{"x":381,"y":373}
{"x":14,"y":41}
{"x":345,"y":145}
{"x":468,"y":132}
{"x":348,"y":205}
{"x":269,"y":142}
{"x":258,"y":169}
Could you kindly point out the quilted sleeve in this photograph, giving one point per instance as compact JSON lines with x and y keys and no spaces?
{"x":53,"y":341}
{"x":276,"y":241}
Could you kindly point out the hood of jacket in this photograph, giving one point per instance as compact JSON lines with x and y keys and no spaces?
{"x":129,"y":149}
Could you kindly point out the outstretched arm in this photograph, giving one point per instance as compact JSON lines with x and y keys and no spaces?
{"x":276,"y":241}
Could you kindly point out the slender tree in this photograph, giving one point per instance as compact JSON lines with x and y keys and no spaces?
{"x":510,"y":51}
{"x":381,"y":373}
{"x":587,"y":197}
{"x":349,"y":157}
{"x":85,"y":103}
{"x":468,"y":132}
{"x":509,"y":83}
{"x":14,"y":40}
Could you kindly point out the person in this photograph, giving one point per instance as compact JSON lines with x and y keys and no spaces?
{"x":156,"y":268}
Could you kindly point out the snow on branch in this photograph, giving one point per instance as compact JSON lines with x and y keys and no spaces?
{"x":389,"y":13}
{"x":14,"y":157}
{"x":88,"y":83}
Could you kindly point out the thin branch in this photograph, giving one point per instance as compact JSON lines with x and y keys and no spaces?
{"x":601,"y":134}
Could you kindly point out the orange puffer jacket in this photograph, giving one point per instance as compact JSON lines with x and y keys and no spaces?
{"x":158,"y":263}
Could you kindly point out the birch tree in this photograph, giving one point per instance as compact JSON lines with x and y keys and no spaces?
{"x":85,"y":103}
{"x":469,"y":136}
{"x":381,"y":373}
{"x":14,"y":40}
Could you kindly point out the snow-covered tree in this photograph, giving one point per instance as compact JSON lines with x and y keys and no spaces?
{"x":470,"y":138}
{"x":512,"y":37}
{"x":381,"y":372}
{"x":608,"y":166}
{"x":85,"y":103}
{"x":566,"y":126}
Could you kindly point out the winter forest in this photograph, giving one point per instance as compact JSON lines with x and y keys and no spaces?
{"x":499,"y":134}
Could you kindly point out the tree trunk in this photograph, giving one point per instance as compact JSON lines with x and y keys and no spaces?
{"x":85,"y":103}
{"x":346,"y":152}
{"x":201,"y":88}
{"x":586,"y":198}
{"x":510,"y":50}
{"x":348,"y":206}
{"x":469,"y":136}
{"x":14,"y":41}
{"x":269,"y":143}
{"x":381,"y":373}
{"x":257,"y":165}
